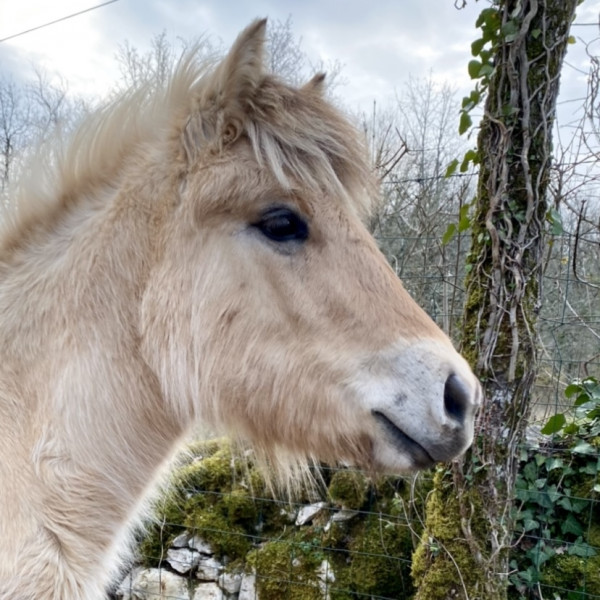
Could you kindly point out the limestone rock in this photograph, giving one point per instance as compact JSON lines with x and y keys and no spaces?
{"x":182,"y":560}
{"x":230,"y":583}
{"x":208,"y":568}
{"x":197,"y":543}
{"x":308,"y":513}
{"x":248,"y":587}
{"x":182,"y":540}
{"x":153,"y":584}
{"x":325,"y":576}
{"x":208,"y":591}
{"x":344,"y":515}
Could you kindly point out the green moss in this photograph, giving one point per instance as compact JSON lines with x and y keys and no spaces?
{"x":349,"y":489}
{"x":473,"y":321}
{"x":287,"y":569}
{"x":573,"y":573}
{"x":168,"y":523}
{"x":240,"y":508}
{"x":214,"y":473}
{"x":443,"y":564}
{"x":211,"y":497}
{"x":205,"y":448}
{"x":381,"y":552}
{"x":226,"y":538}
{"x":593,"y":535}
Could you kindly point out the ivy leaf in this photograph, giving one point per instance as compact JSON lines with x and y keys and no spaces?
{"x":465,"y":122}
{"x":451,"y":168}
{"x":449,"y":234}
{"x":572,"y":389}
{"x":530,"y":472}
{"x":582,"y":549}
{"x":471,"y":156}
{"x":583,"y":447}
{"x":490,"y":18}
{"x":571,"y":525}
{"x":553,"y":493}
{"x":553,"y":217}
{"x":508,"y":110}
{"x":509,"y":31}
{"x":467,"y":103}
{"x":475,"y":96}
{"x":477,"y":46}
{"x":565,"y":503}
{"x":486,"y":56}
{"x":579,"y":505}
{"x":465,"y":221}
{"x":582,"y":399}
{"x":554,"y":424}
{"x":486,"y":70}
{"x":554,"y":463}
{"x":571,"y":39}
{"x":530,"y":524}
{"x":474,"y":67}
{"x":571,"y":428}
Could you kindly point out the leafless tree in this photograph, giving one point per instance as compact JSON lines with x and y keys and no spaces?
{"x":412,"y":142}
{"x":29,"y":113}
{"x":14,"y":126}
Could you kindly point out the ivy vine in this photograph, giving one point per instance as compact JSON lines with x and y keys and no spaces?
{"x":556,"y":492}
{"x":481,"y":70}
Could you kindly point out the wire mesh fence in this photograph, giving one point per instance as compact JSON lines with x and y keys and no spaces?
{"x":221,"y":533}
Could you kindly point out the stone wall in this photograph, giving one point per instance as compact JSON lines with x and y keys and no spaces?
{"x":220,"y":534}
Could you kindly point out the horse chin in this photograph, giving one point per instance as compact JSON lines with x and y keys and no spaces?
{"x":398,"y":448}
{"x":387,"y":460}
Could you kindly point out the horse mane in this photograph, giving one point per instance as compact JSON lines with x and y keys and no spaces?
{"x":293,"y":131}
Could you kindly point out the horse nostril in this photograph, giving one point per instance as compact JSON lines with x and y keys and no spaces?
{"x":457,"y":399}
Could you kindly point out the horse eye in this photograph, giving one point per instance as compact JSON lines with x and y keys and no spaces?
{"x":280,"y":224}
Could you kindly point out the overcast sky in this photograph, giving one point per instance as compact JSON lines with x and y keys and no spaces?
{"x":380,"y":43}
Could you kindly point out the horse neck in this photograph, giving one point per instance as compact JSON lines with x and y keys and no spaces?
{"x":85,"y":421}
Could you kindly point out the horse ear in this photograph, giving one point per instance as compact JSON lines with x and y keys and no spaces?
{"x":243,"y":68}
{"x":219,"y":108}
{"x":236,"y":80}
{"x":316,"y":85}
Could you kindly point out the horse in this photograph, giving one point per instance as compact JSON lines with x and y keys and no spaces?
{"x":196,"y":252}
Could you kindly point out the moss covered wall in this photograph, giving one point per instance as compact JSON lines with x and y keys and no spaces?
{"x":359,"y":541}
{"x":357,"y":544}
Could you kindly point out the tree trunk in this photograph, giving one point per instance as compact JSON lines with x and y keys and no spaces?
{"x":469,"y":525}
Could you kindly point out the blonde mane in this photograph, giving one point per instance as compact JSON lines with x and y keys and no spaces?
{"x":296,"y":133}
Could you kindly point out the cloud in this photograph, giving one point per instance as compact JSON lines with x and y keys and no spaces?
{"x":379,"y":44}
